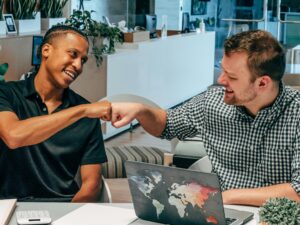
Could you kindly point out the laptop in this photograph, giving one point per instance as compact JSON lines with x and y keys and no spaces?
{"x":177,"y":196}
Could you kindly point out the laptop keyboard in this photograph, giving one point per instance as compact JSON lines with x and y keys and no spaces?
{"x":229,"y":220}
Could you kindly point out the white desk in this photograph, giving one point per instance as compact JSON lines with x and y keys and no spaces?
{"x":58,"y":210}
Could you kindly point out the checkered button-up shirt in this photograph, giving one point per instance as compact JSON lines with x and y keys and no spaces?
{"x":245,"y":152}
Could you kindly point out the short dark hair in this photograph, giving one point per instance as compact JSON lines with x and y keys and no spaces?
{"x":265,"y":55}
{"x":57,"y":31}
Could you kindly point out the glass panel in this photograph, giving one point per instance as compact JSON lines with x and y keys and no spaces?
{"x":212,"y":12}
{"x":234,"y":9}
{"x":137,"y":9}
{"x":290,"y":34}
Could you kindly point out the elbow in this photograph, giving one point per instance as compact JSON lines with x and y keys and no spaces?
{"x":90,"y":193}
{"x":12,"y":140}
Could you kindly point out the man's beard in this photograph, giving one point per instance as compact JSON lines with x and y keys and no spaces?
{"x":241,"y":101}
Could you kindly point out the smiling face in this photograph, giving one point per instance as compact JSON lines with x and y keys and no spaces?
{"x":240,"y":87}
{"x":63,"y":59}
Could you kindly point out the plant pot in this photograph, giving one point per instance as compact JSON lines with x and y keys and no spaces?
{"x":47,"y":23}
{"x":2,"y":28}
{"x":28,"y":26}
{"x":95,"y":41}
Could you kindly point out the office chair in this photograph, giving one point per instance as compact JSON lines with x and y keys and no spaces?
{"x":203,"y":165}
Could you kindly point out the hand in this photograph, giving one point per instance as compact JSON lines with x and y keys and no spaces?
{"x":100,"y":110}
{"x":124,"y":113}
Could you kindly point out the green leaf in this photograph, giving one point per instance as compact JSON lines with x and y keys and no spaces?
{"x":3,"y":68}
{"x":52,"y":8}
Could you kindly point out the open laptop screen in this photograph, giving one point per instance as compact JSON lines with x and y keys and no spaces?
{"x":178,"y":196}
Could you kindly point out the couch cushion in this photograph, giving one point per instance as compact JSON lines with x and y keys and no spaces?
{"x":117,"y":155}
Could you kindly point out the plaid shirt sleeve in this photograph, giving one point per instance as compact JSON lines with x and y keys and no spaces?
{"x":186,"y":120}
{"x":295,"y":182}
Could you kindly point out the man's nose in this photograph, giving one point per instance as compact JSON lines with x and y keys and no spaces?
{"x":221,"y":79}
{"x":77,"y":63}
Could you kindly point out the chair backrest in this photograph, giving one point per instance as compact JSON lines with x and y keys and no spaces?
{"x":203,"y":165}
{"x":130,"y":98}
{"x":105,"y":194}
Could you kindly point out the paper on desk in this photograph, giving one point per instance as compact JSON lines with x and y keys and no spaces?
{"x":252,"y":222}
{"x":7,"y":207}
{"x":91,"y":214}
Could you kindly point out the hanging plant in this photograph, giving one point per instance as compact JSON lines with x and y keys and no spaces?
{"x":82,"y":20}
{"x":52,"y":9}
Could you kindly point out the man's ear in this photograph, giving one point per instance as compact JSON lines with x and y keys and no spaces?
{"x":46,"y":49}
{"x":264,"y":81}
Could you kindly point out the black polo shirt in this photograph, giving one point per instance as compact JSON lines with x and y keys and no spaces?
{"x":46,"y":170}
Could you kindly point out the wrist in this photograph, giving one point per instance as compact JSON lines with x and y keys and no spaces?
{"x":140,"y":110}
{"x":83,"y":110}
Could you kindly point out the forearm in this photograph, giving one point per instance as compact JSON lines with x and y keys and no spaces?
{"x":88,"y":193}
{"x":257,"y":196}
{"x":152,"y":120}
{"x":37,"y":129}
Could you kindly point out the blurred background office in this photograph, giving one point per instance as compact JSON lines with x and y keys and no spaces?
{"x":226,"y":17}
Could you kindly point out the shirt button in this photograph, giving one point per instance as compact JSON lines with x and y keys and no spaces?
{"x":37,"y":96}
{"x":44,"y":109}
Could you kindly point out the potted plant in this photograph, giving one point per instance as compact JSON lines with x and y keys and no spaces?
{"x":102,"y":37}
{"x":280,"y":211}
{"x":24,"y":13}
{"x":52,"y":13}
{"x":3,"y":69}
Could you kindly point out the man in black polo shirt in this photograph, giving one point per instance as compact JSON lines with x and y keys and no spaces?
{"x":48,"y":131}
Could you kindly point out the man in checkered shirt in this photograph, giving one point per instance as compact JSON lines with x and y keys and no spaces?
{"x":250,"y":127}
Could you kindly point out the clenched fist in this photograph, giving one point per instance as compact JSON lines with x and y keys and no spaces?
{"x":100,"y":110}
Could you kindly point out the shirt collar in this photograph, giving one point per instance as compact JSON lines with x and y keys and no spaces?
{"x":29,"y":90}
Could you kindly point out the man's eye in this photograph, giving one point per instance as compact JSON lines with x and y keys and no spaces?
{"x":73,"y":54}
{"x":232,"y":78}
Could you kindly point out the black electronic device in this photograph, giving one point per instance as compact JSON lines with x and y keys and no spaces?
{"x":185,"y":22}
{"x":36,"y":57}
{"x":151,"y":21}
{"x":171,"y":195}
